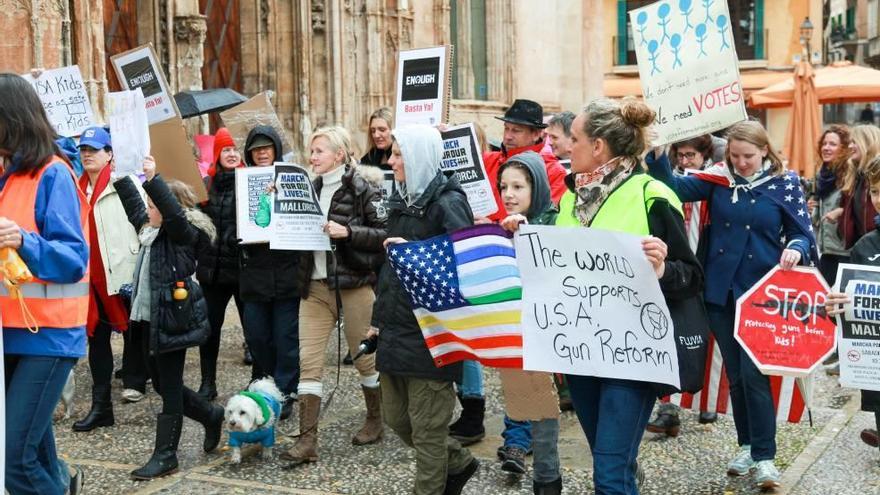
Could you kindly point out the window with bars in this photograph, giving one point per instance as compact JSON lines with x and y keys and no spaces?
{"x":467,"y":19}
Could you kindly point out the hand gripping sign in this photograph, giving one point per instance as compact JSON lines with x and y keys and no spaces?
{"x":782,"y":324}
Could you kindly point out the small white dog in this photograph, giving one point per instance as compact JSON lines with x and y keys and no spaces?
{"x":251,"y":416}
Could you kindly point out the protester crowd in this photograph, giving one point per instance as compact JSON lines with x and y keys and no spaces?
{"x":141,"y":256}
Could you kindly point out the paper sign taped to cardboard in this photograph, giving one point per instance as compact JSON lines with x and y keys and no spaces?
{"x":63,"y":95}
{"x":139,"y":68}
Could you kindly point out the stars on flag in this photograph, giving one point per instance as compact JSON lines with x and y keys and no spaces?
{"x":427,"y":273}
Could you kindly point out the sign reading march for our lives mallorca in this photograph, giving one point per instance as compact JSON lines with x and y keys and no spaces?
{"x":859,"y":330}
{"x":688,"y":66}
{"x":63,"y":95}
{"x":592,"y":306}
{"x":297,"y":223}
{"x":461,"y":156}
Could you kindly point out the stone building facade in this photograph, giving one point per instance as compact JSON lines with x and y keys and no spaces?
{"x":327,"y":61}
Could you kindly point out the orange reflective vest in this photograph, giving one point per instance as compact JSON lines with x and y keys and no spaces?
{"x":49,"y":304}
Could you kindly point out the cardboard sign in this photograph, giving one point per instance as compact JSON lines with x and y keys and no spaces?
{"x":297,"y":222}
{"x":174,"y":155}
{"x":688,"y":67}
{"x":462,"y":157}
{"x":139,"y":68}
{"x":239,"y":120}
{"x":782,"y":324}
{"x":859,"y":329}
{"x":250,"y":184}
{"x":592,"y":306}
{"x":65,"y":99}
{"x":131,"y":133}
{"x":424,"y":78}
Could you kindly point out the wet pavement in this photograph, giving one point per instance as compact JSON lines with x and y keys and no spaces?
{"x":825,"y":458}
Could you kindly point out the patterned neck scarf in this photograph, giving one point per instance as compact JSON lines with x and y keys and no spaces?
{"x":593,"y":188}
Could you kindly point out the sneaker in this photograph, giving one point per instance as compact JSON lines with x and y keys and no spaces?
{"x":76,"y":482}
{"x":870,"y":437}
{"x":132,"y":395}
{"x":515,"y":461}
{"x":742,"y":463}
{"x":766,"y":475}
{"x":502,"y":453}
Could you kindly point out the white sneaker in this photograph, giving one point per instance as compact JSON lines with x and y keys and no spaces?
{"x":742,"y":463}
{"x":132,"y":395}
{"x":766,"y":475}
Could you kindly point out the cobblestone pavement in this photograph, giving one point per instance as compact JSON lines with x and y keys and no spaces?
{"x":825,"y":458}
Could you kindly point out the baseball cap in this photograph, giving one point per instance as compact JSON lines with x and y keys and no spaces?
{"x":95,"y":137}
{"x":260,"y":140}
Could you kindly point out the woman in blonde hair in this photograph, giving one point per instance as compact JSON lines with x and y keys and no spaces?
{"x":752,"y":199}
{"x":348,"y":199}
{"x":858,"y":214}
{"x":608,"y":139}
{"x":379,"y":139}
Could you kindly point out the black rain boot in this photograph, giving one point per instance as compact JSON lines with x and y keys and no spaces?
{"x":248,"y":358}
{"x":552,"y":488}
{"x":208,"y":388}
{"x":667,"y":420}
{"x":209,"y":415}
{"x":101,"y":413}
{"x":164,"y":459}
{"x":707,"y":417}
{"x":469,"y":427}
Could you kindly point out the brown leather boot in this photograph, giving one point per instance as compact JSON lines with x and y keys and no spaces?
{"x":306,"y":448}
{"x":371,"y":432}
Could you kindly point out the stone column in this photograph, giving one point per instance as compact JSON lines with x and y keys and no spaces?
{"x":190,"y":29}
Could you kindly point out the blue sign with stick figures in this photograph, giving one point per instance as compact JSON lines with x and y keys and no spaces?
{"x":674,"y":41}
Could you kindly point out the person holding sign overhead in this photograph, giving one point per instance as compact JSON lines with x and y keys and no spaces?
{"x":268,"y":287}
{"x":606,"y":184}
{"x":752,"y":200}
{"x":341,"y":282}
{"x":43,"y":219}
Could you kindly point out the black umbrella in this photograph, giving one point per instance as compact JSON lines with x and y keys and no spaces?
{"x":193,"y":103}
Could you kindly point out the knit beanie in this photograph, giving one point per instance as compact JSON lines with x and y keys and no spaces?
{"x":222,"y":139}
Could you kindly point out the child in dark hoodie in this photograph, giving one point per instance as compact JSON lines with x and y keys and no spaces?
{"x":525,"y":192}
{"x":171,"y":231}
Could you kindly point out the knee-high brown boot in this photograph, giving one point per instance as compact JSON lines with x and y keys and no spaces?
{"x":371,"y":432}
{"x":306,"y":447}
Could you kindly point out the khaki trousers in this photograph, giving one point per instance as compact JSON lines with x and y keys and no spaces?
{"x":317,"y":320}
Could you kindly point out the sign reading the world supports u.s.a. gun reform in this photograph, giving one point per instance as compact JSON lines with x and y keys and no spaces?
{"x":688,"y":66}
{"x":592,"y":306}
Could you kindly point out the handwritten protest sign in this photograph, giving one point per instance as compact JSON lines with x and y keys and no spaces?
{"x":688,"y":67}
{"x":139,"y":68}
{"x":592,"y":306}
{"x":859,"y":329}
{"x":461,"y":156}
{"x":423,"y":85}
{"x":250,"y":184}
{"x":782,"y":324}
{"x":64,"y":97}
{"x":297,"y":222}
{"x":131,"y":133}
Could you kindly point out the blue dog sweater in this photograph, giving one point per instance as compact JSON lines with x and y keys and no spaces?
{"x":264,"y":435}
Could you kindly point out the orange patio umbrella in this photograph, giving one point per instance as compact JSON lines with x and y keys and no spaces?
{"x":803,"y":128}
{"x":840,"y":82}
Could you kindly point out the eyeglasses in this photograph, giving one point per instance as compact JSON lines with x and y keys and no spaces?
{"x":690,"y":155}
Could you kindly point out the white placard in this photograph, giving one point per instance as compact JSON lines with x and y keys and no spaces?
{"x":297,"y":221}
{"x":65,"y":99}
{"x":688,"y":67}
{"x":422,"y":86}
{"x":129,"y":129}
{"x":461,"y":155}
{"x":138,"y":68}
{"x":858,"y":331}
{"x":250,"y":184}
{"x":592,"y":306}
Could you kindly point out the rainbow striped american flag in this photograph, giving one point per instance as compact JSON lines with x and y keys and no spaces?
{"x":465,"y":292}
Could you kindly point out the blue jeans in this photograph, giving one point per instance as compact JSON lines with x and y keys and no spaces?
{"x":545,"y":443}
{"x":517,"y":434}
{"x":613,"y":414}
{"x":471,"y":380}
{"x":752,"y":400}
{"x":271,"y":330}
{"x":33,"y":388}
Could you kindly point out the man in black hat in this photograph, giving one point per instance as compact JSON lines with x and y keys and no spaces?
{"x":523,"y":131}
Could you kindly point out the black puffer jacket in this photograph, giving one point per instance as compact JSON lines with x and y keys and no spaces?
{"x":218,"y":263}
{"x":264,"y":274}
{"x":172,"y":258}
{"x":442,"y":208}
{"x":867,"y":252}
{"x":355,"y":205}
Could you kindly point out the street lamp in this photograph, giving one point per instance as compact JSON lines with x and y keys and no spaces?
{"x":807,"y":35}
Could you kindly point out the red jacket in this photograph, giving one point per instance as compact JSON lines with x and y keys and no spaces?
{"x":555,"y":173}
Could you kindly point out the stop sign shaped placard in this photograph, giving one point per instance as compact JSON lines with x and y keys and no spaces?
{"x":782,"y":324}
